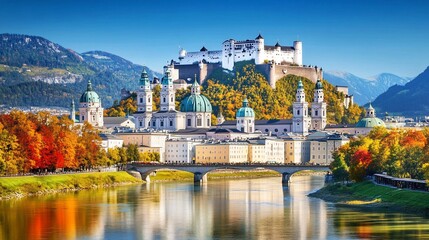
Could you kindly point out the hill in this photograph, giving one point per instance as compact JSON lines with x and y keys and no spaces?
{"x":364,"y":90}
{"x":409,"y":100}
{"x":226,"y":91}
{"x":25,"y":60}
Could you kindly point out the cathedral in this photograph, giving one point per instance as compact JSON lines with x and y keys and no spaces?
{"x":195,"y":110}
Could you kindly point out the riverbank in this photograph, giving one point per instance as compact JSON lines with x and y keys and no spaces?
{"x":15,"y":187}
{"x":172,"y":175}
{"x":369,"y":195}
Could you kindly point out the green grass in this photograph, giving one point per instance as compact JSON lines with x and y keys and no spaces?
{"x":376,"y":195}
{"x":28,"y":185}
{"x":171,"y":175}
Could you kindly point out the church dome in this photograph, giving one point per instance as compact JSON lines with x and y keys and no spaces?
{"x":89,"y":96}
{"x":245,"y":111}
{"x":195,"y":103}
{"x":370,"y":122}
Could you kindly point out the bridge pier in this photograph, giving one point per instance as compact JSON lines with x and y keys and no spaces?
{"x":200,"y":177}
{"x":145,"y":177}
{"x":285,"y":178}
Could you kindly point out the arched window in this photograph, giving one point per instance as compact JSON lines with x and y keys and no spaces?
{"x":297,"y":112}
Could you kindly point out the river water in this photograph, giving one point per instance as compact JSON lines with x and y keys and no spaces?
{"x":223,"y":209}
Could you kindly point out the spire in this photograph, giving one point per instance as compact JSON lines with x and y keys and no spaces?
{"x":89,"y":87}
{"x":277,"y":45}
{"x":195,"y":88}
{"x":259,"y":36}
{"x":166,"y":80}
{"x":144,"y":79}
{"x":300,"y":85}
{"x":319,"y":84}
{"x":245,"y":102}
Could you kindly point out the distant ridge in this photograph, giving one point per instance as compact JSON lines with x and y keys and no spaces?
{"x":364,"y":90}
{"x":409,"y":100}
{"x":25,"y":60}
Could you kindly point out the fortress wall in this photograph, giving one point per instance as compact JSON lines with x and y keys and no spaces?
{"x":275,"y":72}
{"x":201,"y":70}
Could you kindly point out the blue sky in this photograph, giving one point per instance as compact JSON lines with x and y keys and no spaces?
{"x":363,"y":37}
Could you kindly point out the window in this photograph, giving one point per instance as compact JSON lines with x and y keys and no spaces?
{"x":297,"y":112}
{"x":208,"y":122}
{"x":189,"y":122}
{"x":163,"y":100}
{"x":171,"y":123}
{"x":316,"y":112}
{"x":276,"y":130}
{"x":141,"y":100}
{"x":83,"y":118}
{"x":199,"y":122}
{"x":141,"y":124}
{"x":148,"y":100}
{"x":154,"y":123}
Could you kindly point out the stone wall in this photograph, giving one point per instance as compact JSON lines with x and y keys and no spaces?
{"x":275,"y":72}
{"x":202,"y":70}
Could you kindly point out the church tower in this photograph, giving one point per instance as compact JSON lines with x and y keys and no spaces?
{"x":144,"y":102}
{"x":318,"y":108}
{"x":90,"y":109}
{"x":167,"y":92}
{"x":301,"y":120}
{"x":245,"y":117}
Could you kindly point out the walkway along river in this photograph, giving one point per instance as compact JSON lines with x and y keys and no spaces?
{"x":223,"y":209}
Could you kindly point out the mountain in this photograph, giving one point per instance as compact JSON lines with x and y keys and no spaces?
{"x":409,"y":100}
{"x":364,"y":90}
{"x":63,"y":73}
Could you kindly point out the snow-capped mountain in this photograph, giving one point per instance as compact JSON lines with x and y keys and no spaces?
{"x":365,"y":90}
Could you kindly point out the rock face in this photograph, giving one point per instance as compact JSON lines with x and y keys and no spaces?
{"x":36,"y":65}
{"x":364,"y":90}
{"x":409,"y":100}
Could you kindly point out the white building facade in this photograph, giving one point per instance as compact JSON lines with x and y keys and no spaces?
{"x":235,"y":51}
{"x":180,"y":150}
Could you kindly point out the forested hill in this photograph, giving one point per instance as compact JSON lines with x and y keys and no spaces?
{"x":35,"y":71}
{"x":227,"y":90}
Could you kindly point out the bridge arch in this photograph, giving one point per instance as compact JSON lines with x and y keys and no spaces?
{"x":200,"y":171}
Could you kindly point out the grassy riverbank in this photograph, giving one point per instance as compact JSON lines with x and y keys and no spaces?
{"x":369,"y":195}
{"x":171,"y":175}
{"x":33,"y":185}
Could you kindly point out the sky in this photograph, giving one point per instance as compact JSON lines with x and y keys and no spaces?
{"x":364,"y":37}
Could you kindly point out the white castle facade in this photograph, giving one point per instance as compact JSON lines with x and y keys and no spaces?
{"x":235,"y":51}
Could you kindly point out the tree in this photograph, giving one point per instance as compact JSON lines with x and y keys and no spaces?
{"x":361,"y":159}
{"x":339,"y":168}
{"x":133,"y":154}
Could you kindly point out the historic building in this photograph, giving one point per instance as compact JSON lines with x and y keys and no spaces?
{"x":235,"y":51}
{"x":195,"y":109}
{"x":90,"y":109}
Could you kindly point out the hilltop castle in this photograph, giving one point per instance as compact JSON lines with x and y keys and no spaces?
{"x":274,"y":61}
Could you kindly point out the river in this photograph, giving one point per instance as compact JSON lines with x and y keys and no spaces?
{"x":223,"y":209}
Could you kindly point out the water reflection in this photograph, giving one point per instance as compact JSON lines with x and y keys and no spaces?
{"x":235,"y":209}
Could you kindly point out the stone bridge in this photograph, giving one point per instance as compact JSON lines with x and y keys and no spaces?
{"x":200,"y":171}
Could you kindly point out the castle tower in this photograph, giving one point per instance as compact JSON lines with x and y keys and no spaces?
{"x":245,"y":118}
{"x":144,"y":102}
{"x":167,"y":92}
{"x":228,"y":55}
{"x":260,"y":52}
{"x":301,"y":120}
{"x":72,"y":111}
{"x":297,"y":59}
{"x":90,"y":109}
{"x":318,"y":108}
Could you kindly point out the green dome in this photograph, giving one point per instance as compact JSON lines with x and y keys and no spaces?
{"x":89,"y":96}
{"x":370,"y":122}
{"x":195,"y":103}
{"x":300,"y":85}
{"x":245,"y":111}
